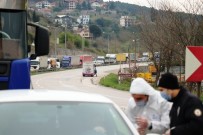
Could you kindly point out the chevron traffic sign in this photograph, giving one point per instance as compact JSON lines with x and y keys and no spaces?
{"x":194,"y":64}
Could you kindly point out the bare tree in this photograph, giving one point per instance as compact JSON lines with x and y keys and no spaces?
{"x":172,"y":29}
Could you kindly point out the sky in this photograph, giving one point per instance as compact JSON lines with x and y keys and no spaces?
{"x":137,"y":2}
{"x":180,"y":4}
{"x":148,"y":3}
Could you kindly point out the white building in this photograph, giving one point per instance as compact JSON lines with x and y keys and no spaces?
{"x":63,"y":20}
{"x":83,"y":19}
{"x":126,"y":21}
{"x":71,"y":3}
{"x":43,"y":4}
{"x":94,"y":5}
{"x":59,"y":19}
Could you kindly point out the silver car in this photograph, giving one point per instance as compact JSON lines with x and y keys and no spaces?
{"x":52,"y":112}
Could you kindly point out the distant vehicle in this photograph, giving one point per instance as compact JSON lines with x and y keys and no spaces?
{"x":143,"y":59}
{"x":54,"y":112}
{"x":99,"y":60}
{"x":147,"y":71}
{"x":39,"y":63}
{"x":110,"y":59}
{"x":75,"y":61}
{"x":87,"y":66}
{"x":52,"y":63}
{"x":35,"y":64}
{"x":66,"y":61}
{"x":43,"y":64}
{"x":121,"y":57}
{"x":58,"y":63}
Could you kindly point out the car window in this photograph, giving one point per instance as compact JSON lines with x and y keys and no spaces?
{"x":61,"y":118}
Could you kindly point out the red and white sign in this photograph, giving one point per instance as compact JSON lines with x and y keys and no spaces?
{"x":194,"y":64}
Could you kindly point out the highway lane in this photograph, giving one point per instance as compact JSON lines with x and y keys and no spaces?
{"x":73,"y":80}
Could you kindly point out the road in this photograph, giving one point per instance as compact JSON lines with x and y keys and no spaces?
{"x":72,"y":80}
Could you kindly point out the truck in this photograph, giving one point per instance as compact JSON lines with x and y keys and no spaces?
{"x":147,"y":71}
{"x":121,"y":58}
{"x":75,"y":61}
{"x":52,"y":63}
{"x":66,"y":61}
{"x":35,"y":64}
{"x":110,"y":59}
{"x":15,"y":52}
{"x":87,"y":66}
{"x":43,"y":64}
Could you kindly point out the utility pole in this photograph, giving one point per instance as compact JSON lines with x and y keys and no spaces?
{"x":108,"y":43}
{"x":82,"y":44}
{"x":55,"y":41}
{"x":65,"y":35}
{"x":135,"y":50}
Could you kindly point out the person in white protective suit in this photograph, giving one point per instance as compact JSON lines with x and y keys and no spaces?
{"x":147,"y":110}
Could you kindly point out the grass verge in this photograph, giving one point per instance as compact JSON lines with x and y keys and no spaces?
{"x":111,"y":80}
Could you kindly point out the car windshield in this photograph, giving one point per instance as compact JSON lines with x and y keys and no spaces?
{"x":12,"y":35}
{"x":65,"y":61}
{"x":34,"y":62}
{"x":61,"y":118}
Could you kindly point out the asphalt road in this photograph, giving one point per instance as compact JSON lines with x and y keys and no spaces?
{"x":72,"y":80}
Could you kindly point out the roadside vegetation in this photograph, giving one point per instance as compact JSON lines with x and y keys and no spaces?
{"x":111,"y":80}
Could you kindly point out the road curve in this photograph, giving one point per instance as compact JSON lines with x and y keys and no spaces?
{"x":73,"y":80}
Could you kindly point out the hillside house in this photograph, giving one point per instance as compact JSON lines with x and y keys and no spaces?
{"x":126,"y":21}
{"x":43,"y":4}
{"x":63,"y":20}
{"x":71,"y":4}
{"x":84,"y":32}
{"x":83,"y":19}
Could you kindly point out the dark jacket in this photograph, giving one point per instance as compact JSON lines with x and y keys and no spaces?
{"x":186,"y":114}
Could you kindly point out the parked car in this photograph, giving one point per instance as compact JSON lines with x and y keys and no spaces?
{"x":52,"y":112}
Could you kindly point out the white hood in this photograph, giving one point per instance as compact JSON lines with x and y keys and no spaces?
{"x":140,"y":86}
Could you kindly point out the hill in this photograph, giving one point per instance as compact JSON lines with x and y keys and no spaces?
{"x":114,"y":38}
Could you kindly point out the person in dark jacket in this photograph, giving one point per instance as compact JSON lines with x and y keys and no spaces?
{"x":95,"y":70}
{"x":186,"y":114}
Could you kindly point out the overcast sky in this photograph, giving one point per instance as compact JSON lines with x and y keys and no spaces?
{"x":155,"y":3}
{"x":137,"y":2}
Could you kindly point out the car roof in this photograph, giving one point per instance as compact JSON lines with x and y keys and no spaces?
{"x":50,"y":95}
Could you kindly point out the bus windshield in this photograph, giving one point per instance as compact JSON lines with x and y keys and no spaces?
{"x":12,"y":34}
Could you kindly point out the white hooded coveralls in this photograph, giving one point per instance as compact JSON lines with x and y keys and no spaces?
{"x":156,"y":109}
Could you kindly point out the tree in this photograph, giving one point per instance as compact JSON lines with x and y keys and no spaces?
{"x":35,"y":17}
{"x":89,"y":5}
{"x":95,"y":30}
{"x":84,"y":5}
{"x":171,"y":30}
{"x":103,"y":22}
{"x":78,"y":7}
{"x":112,"y":6}
{"x":153,"y":14}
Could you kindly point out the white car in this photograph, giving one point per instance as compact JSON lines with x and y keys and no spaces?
{"x":98,"y":62}
{"x":52,"y":112}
